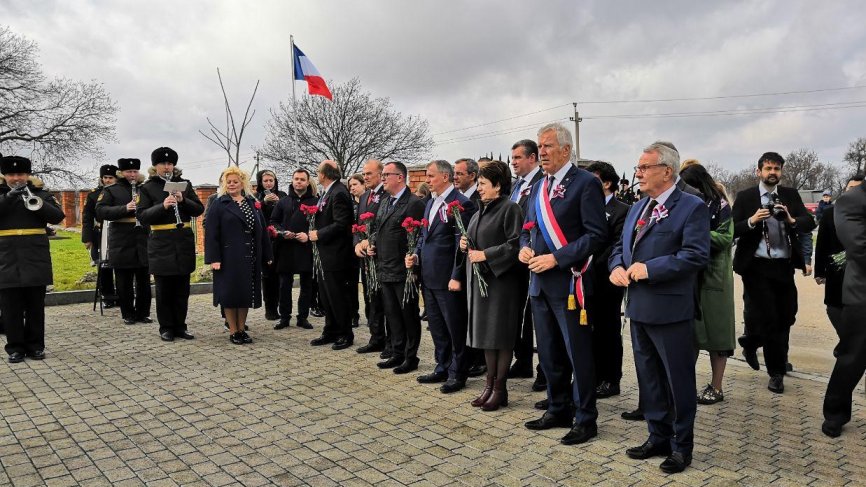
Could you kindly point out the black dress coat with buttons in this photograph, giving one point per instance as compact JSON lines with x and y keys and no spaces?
{"x":240,"y":251}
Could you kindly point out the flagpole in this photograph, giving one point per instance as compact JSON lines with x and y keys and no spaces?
{"x":294,"y":108}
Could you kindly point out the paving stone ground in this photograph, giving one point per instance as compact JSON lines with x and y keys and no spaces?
{"x":113,"y":405}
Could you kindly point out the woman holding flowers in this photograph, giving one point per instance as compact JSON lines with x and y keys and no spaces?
{"x":491,"y":245}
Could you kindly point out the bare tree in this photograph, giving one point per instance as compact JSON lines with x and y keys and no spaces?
{"x":55,"y":122}
{"x":229,"y":139}
{"x":856,"y":155}
{"x":350,"y":129}
{"x":803,"y":170}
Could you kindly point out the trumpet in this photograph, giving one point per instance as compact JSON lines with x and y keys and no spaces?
{"x":177,"y":221}
{"x":134,"y":186}
{"x":31,"y":201}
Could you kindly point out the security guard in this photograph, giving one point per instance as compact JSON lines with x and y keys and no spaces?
{"x":25,"y":258}
{"x":171,"y":246}
{"x":127,"y":242}
{"x":91,"y":233}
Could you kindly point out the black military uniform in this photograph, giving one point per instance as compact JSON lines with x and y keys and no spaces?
{"x":170,"y":248}
{"x":25,"y":260}
{"x":127,"y":245}
{"x":91,"y":232}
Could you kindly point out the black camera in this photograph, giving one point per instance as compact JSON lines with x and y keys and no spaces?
{"x":778,"y":213}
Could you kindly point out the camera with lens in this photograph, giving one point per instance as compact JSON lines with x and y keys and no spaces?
{"x":778,"y":213}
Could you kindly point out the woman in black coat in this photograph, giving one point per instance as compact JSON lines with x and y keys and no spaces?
{"x":268,"y":193}
{"x":236,"y":247}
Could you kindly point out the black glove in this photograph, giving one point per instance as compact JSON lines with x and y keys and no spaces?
{"x":16,"y":191}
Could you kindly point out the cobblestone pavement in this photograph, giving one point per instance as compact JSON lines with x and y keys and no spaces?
{"x":113,"y":405}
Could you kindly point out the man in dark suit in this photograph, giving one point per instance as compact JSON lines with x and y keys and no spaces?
{"x":390,"y":248}
{"x":333,"y":236}
{"x":567,"y":210}
{"x":374,"y":310}
{"x":767,"y":220}
{"x":524,"y":162}
{"x":664,"y":245}
{"x":444,"y":280}
{"x":605,"y":304}
{"x":850,"y":220}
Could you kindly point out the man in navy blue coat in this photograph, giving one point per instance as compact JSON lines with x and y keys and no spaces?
{"x":572,"y":210}
{"x":443,"y":279}
{"x":665,"y":243}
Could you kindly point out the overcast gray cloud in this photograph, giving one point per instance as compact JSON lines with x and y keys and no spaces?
{"x":461,"y":64}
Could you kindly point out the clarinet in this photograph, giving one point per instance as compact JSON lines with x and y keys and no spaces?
{"x":134,"y":200}
{"x":177,"y":221}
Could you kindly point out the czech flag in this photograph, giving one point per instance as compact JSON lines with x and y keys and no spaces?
{"x":305,"y":71}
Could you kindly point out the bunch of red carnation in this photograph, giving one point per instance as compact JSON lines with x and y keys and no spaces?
{"x":455,"y":209}
{"x":412,"y":286}
{"x":310,"y":212}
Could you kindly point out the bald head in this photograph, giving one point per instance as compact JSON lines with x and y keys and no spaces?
{"x":329,"y":172}
{"x":372,"y":173}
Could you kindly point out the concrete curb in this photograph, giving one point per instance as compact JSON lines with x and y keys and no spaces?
{"x":86,"y":295}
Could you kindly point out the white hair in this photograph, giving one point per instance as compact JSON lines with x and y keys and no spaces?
{"x":668,"y":154}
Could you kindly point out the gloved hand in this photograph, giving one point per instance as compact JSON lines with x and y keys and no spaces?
{"x":16,"y":191}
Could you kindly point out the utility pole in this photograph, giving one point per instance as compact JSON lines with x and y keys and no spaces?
{"x":576,"y":119}
{"x":257,"y":164}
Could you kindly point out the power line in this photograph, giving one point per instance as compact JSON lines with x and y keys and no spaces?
{"x":743,"y":111}
{"x":724,"y":97}
{"x":501,"y":120}
{"x":497,"y":132}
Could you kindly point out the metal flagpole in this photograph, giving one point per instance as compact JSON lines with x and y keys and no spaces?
{"x":294,"y":107}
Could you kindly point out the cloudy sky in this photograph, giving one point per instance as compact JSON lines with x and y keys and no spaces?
{"x":483,"y":73}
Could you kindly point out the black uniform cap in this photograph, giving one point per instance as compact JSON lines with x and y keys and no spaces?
{"x":128,"y":163}
{"x":108,"y":170}
{"x":15,"y":165}
{"x":163,"y":154}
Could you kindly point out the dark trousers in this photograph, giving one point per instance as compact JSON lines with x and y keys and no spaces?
{"x":134,"y":299}
{"x":270,"y":289}
{"x":769,"y":310}
{"x":354,"y":302}
{"x":23,"y":310}
{"x":374,"y":311}
{"x":604,"y":313}
{"x":334,"y":302}
{"x":106,"y":274}
{"x":446,"y":318}
{"x":403,"y":320}
{"x":172,"y":302}
{"x":565,"y":352}
{"x":849,"y":368}
{"x":523,"y":347}
{"x":287,"y":281}
{"x":665,"y":364}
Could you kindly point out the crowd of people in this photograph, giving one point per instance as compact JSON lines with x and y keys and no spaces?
{"x":540,"y":255}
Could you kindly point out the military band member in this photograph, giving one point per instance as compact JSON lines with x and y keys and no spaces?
{"x":91,"y":233}
{"x":25,"y":257}
{"x":127,"y":242}
{"x":171,"y":246}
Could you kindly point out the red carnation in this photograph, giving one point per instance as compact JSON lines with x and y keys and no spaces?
{"x":529,"y":225}
{"x":424,"y":222}
{"x":309,"y":209}
{"x":641,"y":222}
{"x":455,"y":204}
{"x":367,"y":216}
{"x":362,"y":228}
{"x":354,"y":228}
{"x":407,"y":223}
{"x":258,"y":205}
{"x":272,"y":231}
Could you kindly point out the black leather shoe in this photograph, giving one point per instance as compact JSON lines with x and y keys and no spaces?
{"x":282,"y":324}
{"x":636,"y":415}
{"x":542,"y":404}
{"x":452,"y":385}
{"x":390,"y":363}
{"x":540,"y":384}
{"x":676,"y":462}
{"x":832,"y":430}
{"x":477,"y":370}
{"x":776,"y":384}
{"x":386,"y":354}
{"x":606,"y":389}
{"x":322,"y":340}
{"x":236,"y":338}
{"x":433,"y":378}
{"x":128,"y":321}
{"x":246,"y":338}
{"x":520,"y":370}
{"x":549,"y":421}
{"x":146,"y":320}
{"x":304,"y":323}
{"x":36,"y":355}
{"x":185,"y":335}
{"x":342,"y":343}
{"x":580,"y":433}
{"x":406,"y":367}
{"x":167,"y":336}
{"x":16,"y":357}
{"x":789,"y":367}
{"x":649,"y":450}
{"x":370,"y":348}
{"x":749,"y":353}
{"x":356,"y":321}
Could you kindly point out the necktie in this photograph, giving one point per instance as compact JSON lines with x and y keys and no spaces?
{"x":515,"y":193}
{"x":370,"y":198}
{"x":646,"y":218}
{"x":550,"y":180}
{"x":393,"y":201}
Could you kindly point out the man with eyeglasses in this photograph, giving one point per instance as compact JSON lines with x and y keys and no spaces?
{"x":466,"y":178}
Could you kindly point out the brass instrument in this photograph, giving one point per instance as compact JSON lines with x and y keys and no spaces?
{"x":134,"y":186}
{"x":177,"y":221}
{"x":31,"y":201}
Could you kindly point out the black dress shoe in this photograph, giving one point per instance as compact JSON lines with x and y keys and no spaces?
{"x":281,"y":325}
{"x":342,"y":343}
{"x":540,"y":384}
{"x":167,"y":336}
{"x":636,"y":415}
{"x":386,"y":354}
{"x":542,"y":404}
{"x":355,"y":321}
{"x":236,"y":338}
{"x":246,"y":338}
{"x":370,"y":348}
{"x":549,"y":421}
{"x":185,"y":335}
{"x":789,"y":367}
{"x":776,"y":384}
{"x":580,"y":433}
{"x":477,"y":370}
{"x":606,"y":389}
{"x":304,"y":323}
{"x":676,"y":462}
{"x":390,"y":363}
{"x":146,"y":320}
{"x":520,"y":371}
{"x":406,"y":367}
{"x":452,"y":385}
{"x":36,"y":355}
{"x":434,"y":378}
{"x":128,"y":321}
{"x":832,"y":430}
{"x":322,"y":340}
{"x":16,"y":357}
{"x":648,"y":450}
{"x":749,"y":353}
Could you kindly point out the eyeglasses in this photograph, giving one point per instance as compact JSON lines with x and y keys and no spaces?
{"x":643,"y":167}
{"x":386,"y":174}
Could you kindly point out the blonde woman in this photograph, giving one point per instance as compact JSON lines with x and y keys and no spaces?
{"x":236,"y":247}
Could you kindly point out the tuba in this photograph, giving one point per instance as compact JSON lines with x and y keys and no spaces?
{"x":31,"y":201}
